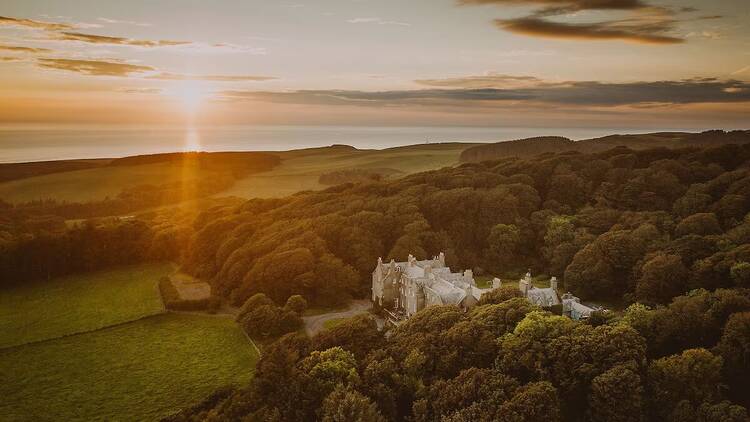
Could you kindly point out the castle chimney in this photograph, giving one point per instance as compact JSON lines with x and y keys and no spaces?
{"x":441,"y":258}
{"x":496,"y":283}
{"x":553,"y":283}
{"x":469,"y":276}
{"x":410,"y":260}
{"x":428,"y":271}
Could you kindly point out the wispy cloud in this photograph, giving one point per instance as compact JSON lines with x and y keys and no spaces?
{"x":122,"y":22}
{"x":647,"y":24}
{"x":103,"y":39}
{"x":490,"y":80}
{"x":612,"y":30}
{"x":574,"y":93}
{"x":377,"y":21}
{"x":29,"y":23}
{"x":141,"y":90}
{"x":94,"y":67}
{"x":21,"y":49}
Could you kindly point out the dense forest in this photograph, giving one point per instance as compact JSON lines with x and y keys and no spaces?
{"x":661,"y":235}
{"x":620,"y":225}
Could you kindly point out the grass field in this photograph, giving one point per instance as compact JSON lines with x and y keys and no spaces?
{"x":300,"y":170}
{"x":90,"y":184}
{"x":78,"y":303}
{"x":141,"y":371}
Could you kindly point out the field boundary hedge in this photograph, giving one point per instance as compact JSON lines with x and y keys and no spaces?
{"x":93,"y":330}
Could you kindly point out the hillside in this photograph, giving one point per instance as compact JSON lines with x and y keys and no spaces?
{"x":533,"y":146}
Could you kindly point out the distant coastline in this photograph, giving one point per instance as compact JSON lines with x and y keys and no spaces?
{"x":28,"y":143}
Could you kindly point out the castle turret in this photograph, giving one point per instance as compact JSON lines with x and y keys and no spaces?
{"x":496,"y":283}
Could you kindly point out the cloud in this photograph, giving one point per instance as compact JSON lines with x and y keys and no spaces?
{"x":166,"y":76}
{"x":575,"y":93}
{"x":47,"y":26}
{"x":490,"y":80}
{"x":741,"y":71}
{"x":565,"y":6}
{"x":377,"y":21}
{"x":647,"y":24}
{"x":93,"y":67}
{"x":121,"y":22}
{"x":10,"y":59}
{"x":102,"y":39}
{"x":141,"y":90}
{"x":652,"y":34}
{"x":21,"y":49}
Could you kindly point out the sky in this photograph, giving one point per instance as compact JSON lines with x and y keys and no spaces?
{"x":679,"y":64}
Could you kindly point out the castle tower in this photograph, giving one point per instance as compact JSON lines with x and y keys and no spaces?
{"x":496,"y":283}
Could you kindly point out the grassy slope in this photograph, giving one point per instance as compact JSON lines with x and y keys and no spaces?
{"x":140,"y":371}
{"x":78,"y":303}
{"x":300,"y":169}
{"x":90,"y":184}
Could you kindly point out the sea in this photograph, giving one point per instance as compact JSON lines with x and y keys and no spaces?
{"x":47,"y":143}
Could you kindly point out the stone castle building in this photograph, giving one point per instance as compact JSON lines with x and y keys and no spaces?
{"x":405,"y":288}
{"x":544,"y":297}
{"x":401,"y":289}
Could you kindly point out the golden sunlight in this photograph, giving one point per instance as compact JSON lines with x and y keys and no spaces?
{"x":190,"y":94}
{"x":192,"y":139}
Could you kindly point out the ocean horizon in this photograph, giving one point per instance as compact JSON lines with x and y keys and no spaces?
{"x":34,"y":143}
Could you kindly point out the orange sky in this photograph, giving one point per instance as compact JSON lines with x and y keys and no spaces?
{"x":534,"y":63}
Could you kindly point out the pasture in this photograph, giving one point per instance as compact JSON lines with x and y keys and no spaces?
{"x":299,"y":170}
{"x":94,"y":184}
{"x":67,"y":305}
{"x":140,"y":371}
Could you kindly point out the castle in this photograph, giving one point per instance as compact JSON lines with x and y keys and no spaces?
{"x":405,"y":288}
{"x":401,"y":289}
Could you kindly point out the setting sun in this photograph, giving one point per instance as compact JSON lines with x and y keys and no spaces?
{"x":189,"y":94}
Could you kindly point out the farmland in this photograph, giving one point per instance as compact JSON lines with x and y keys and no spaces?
{"x":141,"y":371}
{"x":67,"y":305}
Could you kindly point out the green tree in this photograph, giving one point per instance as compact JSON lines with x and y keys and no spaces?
{"x":662,"y":278}
{"x":296,"y":304}
{"x":617,"y":395}
{"x":502,"y":246}
{"x":701,"y":224}
{"x":740,"y":273}
{"x":692,"y":375}
{"x":500,"y":295}
{"x":346,"y":404}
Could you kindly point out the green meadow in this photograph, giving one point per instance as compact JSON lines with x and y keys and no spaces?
{"x":67,"y":305}
{"x":299,"y":170}
{"x":92,"y":184}
{"x":141,"y":371}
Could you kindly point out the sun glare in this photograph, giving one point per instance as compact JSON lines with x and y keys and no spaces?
{"x":192,"y":140}
{"x":190,"y":94}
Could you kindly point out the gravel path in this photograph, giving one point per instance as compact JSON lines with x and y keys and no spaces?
{"x":314,"y":324}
